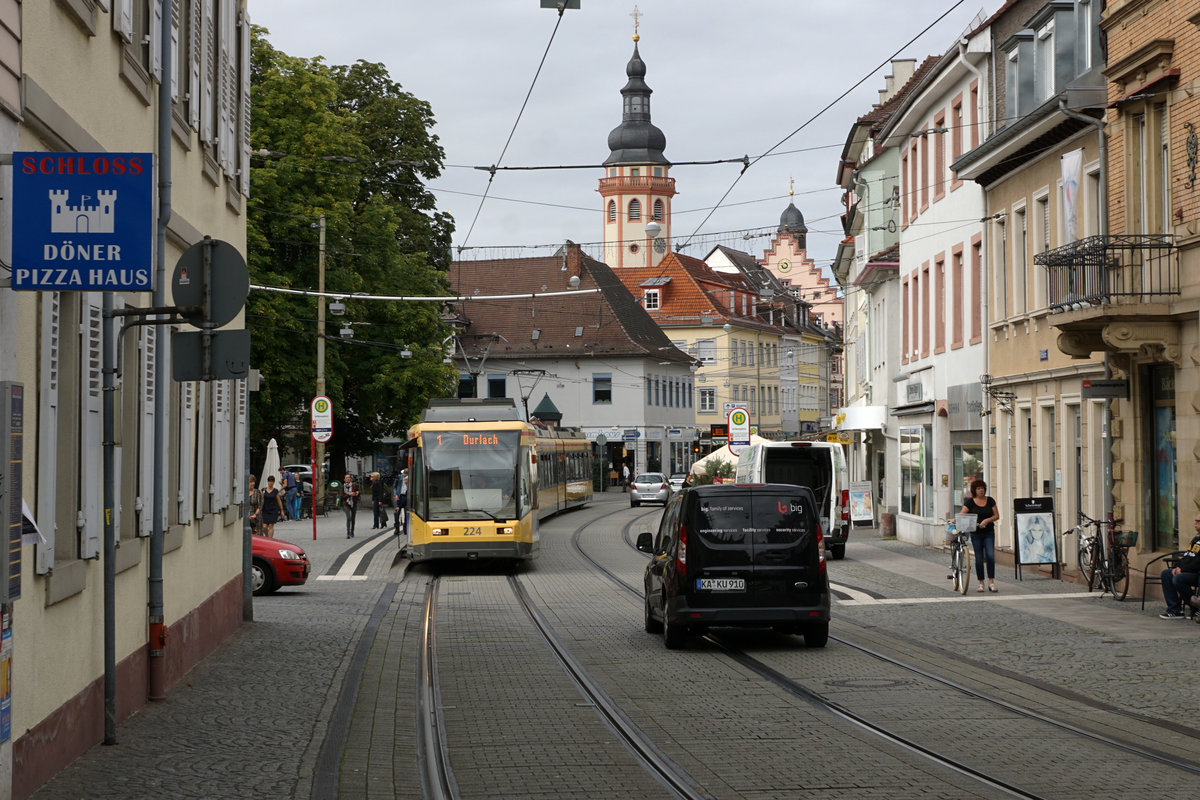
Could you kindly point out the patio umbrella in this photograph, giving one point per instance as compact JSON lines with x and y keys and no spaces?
{"x":722,"y":454}
{"x":271,"y":465}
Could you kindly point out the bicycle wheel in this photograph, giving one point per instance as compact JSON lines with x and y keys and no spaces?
{"x":1086,"y":555}
{"x":1118,"y":574}
{"x":962,"y":569}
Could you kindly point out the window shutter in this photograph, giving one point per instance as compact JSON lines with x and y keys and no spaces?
{"x":195,"y":58}
{"x":187,"y":413}
{"x":202,"y":491}
{"x":122,"y":19}
{"x":227,"y":105}
{"x":176,"y":61}
{"x":91,"y":455}
{"x":242,"y":392}
{"x":244,"y":106}
{"x":145,"y":501}
{"x":156,"y":14}
{"x":221,"y":462}
{"x":208,"y":71}
{"x":47,"y":458}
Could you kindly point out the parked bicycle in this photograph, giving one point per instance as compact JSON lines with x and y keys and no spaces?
{"x":958,"y":537}
{"x":1102,"y":553}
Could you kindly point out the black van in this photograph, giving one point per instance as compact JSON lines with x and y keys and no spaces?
{"x":734,"y":555}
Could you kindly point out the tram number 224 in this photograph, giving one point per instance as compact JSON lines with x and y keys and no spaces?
{"x":473,"y":530}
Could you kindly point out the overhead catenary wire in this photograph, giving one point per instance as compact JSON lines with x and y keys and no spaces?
{"x":492,"y":175}
{"x":819,"y":113}
{"x":415,"y":298}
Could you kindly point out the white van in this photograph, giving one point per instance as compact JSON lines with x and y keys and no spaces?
{"x":821,"y":466}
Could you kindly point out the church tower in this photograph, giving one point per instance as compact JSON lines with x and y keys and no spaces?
{"x":636,"y":189}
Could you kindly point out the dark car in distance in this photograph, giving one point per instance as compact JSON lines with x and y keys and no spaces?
{"x":276,"y":563}
{"x":741,"y":556}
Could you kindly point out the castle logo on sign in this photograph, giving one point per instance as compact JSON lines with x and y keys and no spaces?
{"x":69,"y":230}
{"x":86,"y":217}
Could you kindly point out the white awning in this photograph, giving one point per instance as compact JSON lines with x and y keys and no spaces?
{"x":860,"y":418}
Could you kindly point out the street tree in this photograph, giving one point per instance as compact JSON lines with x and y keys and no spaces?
{"x":347,"y":143}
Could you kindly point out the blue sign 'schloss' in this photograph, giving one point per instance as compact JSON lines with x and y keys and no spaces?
{"x":83,"y":221}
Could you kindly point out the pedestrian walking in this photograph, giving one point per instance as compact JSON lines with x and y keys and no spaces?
{"x":983,"y":538}
{"x":624,"y":478}
{"x":350,"y":493}
{"x":379,"y":499}
{"x":272,"y":507}
{"x":400,"y":493}
{"x":291,"y":494}
{"x":1179,"y":582}
{"x":254,"y":501}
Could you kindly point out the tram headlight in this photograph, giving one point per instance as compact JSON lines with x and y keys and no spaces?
{"x":440,"y":531}
{"x":508,"y":531}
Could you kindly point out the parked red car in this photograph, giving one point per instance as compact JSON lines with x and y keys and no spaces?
{"x":276,"y":563}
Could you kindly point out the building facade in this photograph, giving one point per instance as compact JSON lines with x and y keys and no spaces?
{"x":598,"y":356}
{"x":1040,"y":170}
{"x":942,"y":353}
{"x":89,"y":76}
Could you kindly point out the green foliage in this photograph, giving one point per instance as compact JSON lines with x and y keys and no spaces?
{"x":349,"y":143}
{"x":713,"y":469}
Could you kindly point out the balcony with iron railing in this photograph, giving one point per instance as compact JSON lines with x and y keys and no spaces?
{"x":1115,"y":293}
{"x":1098,"y":272}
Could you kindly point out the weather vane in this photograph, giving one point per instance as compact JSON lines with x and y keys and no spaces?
{"x":637,"y":15}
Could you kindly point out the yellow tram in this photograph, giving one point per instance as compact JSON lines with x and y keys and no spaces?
{"x":481,"y":478}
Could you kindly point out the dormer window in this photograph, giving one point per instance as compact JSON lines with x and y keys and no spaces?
{"x":650,"y":298}
{"x":1044,"y":81}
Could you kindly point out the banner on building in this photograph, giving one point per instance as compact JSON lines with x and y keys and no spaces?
{"x":1072,"y":171}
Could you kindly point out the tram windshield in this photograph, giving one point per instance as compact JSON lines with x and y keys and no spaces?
{"x":471,"y":474}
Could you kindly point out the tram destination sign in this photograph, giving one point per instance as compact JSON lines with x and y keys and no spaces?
{"x":83,"y":221}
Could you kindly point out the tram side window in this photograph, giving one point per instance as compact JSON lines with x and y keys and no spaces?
{"x":417,"y":502}
{"x":526,"y":497}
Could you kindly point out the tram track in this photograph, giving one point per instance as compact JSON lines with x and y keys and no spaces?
{"x":438,"y":780}
{"x":1120,"y":747}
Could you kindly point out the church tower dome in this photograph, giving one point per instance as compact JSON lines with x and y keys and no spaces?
{"x":636,"y":140}
{"x":636,"y":189}
{"x":792,"y":221}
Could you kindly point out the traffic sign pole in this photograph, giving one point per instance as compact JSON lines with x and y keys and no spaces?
{"x":313,"y":466}
{"x":321,"y":427}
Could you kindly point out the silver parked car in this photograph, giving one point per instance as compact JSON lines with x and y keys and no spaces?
{"x":676,"y":480}
{"x":650,"y":487}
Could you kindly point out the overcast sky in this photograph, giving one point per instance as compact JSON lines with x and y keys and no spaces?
{"x":729,"y":79}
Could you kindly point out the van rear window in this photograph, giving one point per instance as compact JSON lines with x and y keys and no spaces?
{"x":759,"y":519}
{"x":800,"y":467}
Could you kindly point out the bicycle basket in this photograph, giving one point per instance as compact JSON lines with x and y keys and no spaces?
{"x":1125,"y":538}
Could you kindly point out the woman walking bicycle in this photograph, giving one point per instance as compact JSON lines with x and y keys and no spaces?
{"x":983,"y":538}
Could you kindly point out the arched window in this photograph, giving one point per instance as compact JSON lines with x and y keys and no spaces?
{"x":658,"y":210}
{"x":635,"y":210}
{"x":612,"y":210}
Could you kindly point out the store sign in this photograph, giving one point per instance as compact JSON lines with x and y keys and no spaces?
{"x":964,"y":406}
{"x":83,"y":221}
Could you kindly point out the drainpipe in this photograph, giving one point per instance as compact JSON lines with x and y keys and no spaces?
{"x":1102,"y":200}
{"x":156,"y":668}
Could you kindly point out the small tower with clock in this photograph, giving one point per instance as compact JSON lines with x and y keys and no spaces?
{"x":787,"y":258}
{"x":636,"y":189}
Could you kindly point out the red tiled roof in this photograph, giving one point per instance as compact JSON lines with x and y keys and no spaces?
{"x":695,"y":295}
{"x":880,"y":114}
{"x":610,"y":321}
